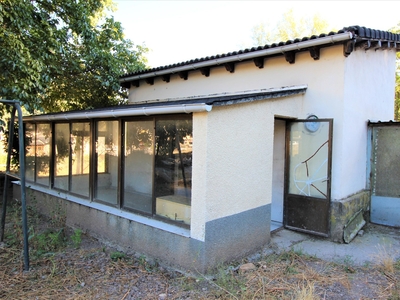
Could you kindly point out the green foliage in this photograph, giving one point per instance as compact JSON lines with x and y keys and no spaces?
{"x":396,"y":29}
{"x":62,"y":55}
{"x":116,"y":255}
{"x":77,"y":238}
{"x":397,"y":94}
{"x":14,"y":158}
{"x":397,"y":264}
{"x":47,"y":242}
{"x":290,"y":26}
{"x":142,"y":260}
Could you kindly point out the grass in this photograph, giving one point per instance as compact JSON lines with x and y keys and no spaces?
{"x":287,"y":275}
{"x":385,"y":259}
{"x":306,"y":292}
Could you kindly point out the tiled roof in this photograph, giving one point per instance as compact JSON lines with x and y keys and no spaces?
{"x":356,"y":33}
{"x":363,"y":32}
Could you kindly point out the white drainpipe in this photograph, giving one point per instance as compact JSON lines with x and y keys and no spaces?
{"x":245,"y":56}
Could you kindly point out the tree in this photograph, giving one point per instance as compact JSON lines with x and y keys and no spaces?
{"x":288,"y":28}
{"x":396,"y":29}
{"x":60,"y":55}
{"x":397,"y":94}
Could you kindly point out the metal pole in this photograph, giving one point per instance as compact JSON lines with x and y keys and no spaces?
{"x":3,"y":210}
{"x":5,"y":189}
{"x":21,"y":139}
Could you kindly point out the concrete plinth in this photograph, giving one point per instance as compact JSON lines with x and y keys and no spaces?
{"x":343,"y":211}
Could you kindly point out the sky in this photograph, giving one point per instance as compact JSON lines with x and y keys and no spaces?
{"x":177,"y":31}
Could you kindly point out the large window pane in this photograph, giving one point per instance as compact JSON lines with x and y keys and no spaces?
{"x":43,"y":147}
{"x":80,"y":146}
{"x":106,"y":177}
{"x":62,"y":153}
{"x":30,"y":154}
{"x":173,"y":169}
{"x":308,"y":161}
{"x":139,"y":160}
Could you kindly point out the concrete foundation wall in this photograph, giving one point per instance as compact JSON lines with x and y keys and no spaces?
{"x":342,"y":211}
{"x":221,"y":245}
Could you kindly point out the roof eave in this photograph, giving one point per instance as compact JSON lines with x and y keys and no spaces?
{"x":327,"y":40}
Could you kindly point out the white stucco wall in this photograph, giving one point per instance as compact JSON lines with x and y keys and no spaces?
{"x":368,"y":95}
{"x":233,"y":159}
{"x":233,"y":145}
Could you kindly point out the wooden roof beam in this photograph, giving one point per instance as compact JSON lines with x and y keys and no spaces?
{"x":348,"y":47}
{"x":290,"y":57}
{"x":315,"y":52}
{"x":259,"y":62}
{"x":149,"y":80}
{"x":205,"y":71}
{"x":166,"y":77}
{"x":183,"y":74}
{"x":230,"y":67}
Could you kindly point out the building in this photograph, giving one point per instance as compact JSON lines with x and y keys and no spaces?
{"x":212,"y":154}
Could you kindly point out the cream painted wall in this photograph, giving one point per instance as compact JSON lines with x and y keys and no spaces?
{"x":276,"y":73}
{"x":231,"y":142}
{"x":200,"y":162}
{"x":233,"y":159}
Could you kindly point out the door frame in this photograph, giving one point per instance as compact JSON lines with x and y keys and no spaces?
{"x":318,"y":202}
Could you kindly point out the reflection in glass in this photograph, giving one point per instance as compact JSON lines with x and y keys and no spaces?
{"x":80,"y":146}
{"x":173,"y":169}
{"x":30,"y":155}
{"x":62,"y":152}
{"x":43,"y":146}
{"x":139,"y":161}
{"x":308,"y":160}
{"x":106,"y":177}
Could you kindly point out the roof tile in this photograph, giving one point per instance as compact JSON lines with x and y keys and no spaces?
{"x":359,"y":32}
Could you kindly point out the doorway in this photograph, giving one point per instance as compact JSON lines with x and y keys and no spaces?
{"x":278,"y":174}
{"x":301,"y":175}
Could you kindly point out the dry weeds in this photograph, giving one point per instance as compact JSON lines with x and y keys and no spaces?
{"x":95,"y":271}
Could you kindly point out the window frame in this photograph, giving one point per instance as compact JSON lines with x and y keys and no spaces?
{"x":121,"y":160}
